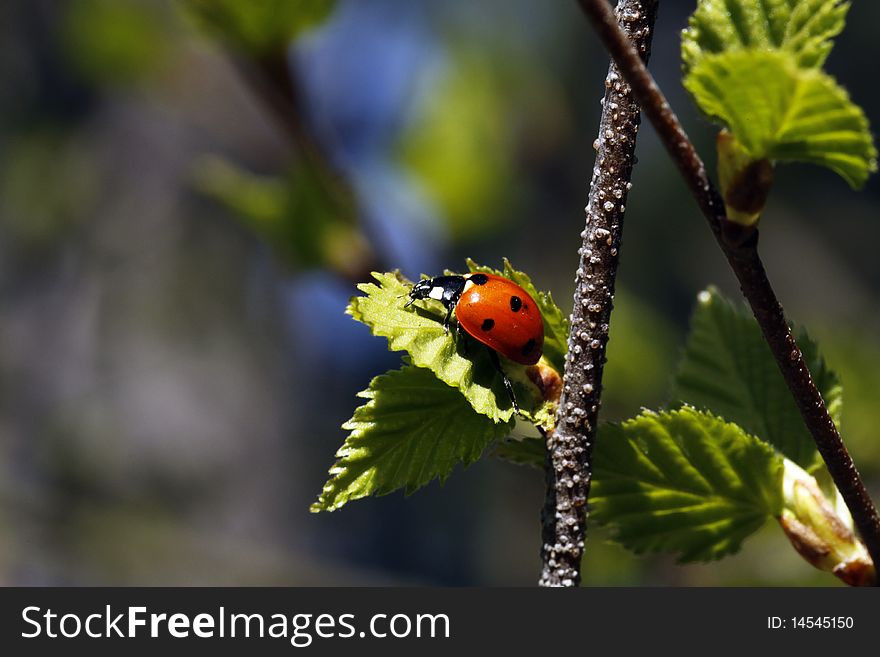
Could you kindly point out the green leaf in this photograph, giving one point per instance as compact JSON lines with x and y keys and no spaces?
{"x":460,"y":362}
{"x":778,"y":111}
{"x":728,"y":369}
{"x":413,"y":429}
{"x":555,"y":322}
{"x":812,"y":25}
{"x":802,"y":28}
{"x":685,"y":482}
{"x":258,"y":27}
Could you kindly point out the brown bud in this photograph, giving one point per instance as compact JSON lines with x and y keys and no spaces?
{"x":819,"y":534}
{"x":745,"y":181}
{"x":546,"y":379}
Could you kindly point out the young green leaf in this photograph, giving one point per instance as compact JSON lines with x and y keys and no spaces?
{"x":728,"y":369}
{"x":555,"y":322}
{"x":778,"y":111}
{"x":457,"y":361}
{"x":803,"y":28}
{"x":811,"y":28}
{"x":685,"y":482}
{"x":413,"y":429}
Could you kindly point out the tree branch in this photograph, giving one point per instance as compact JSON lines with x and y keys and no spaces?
{"x":568,"y":462}
{"x":739,"y":245}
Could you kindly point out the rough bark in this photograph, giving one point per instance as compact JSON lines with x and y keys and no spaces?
{"x":569,"y":446}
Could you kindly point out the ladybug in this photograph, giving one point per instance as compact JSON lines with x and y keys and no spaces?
{"x":493,"y":310}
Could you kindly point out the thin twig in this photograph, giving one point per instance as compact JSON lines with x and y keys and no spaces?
{"x":568,"y":462}
{"x":740,"y":246}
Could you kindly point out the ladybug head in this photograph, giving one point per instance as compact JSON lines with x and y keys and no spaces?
{"x":445,"y":289}
{"x":420,"y":290}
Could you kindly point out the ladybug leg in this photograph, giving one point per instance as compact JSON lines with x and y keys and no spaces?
{"x":507,"y":385}
{"x":460,"y":338}
{"x":446,"y":321}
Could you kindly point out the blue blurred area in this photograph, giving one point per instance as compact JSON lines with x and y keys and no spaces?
{"x":359,"y":74}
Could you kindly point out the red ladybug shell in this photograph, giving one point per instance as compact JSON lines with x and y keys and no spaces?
{"x":503,"y":316}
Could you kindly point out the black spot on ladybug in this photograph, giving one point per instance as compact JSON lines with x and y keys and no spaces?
{"x":529,"y":347}
{"x":479,"y":279}
{"x":488,"y":324}
{"x":515,"y":304}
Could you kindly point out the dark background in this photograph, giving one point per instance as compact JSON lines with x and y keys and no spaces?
{"x":171,"y":385}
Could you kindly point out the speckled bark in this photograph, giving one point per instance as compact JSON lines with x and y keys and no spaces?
{"x":569,"y":446}
{"x":740,"y":246}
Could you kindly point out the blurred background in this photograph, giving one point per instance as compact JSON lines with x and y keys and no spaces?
{"x":189,"y":192}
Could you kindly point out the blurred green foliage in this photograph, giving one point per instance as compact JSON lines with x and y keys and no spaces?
{"x":459,"y":144}
{"x":305,"y":223}
{"x":258,"y":27}
{"x":116,"y":42}
{"x":642,"y":350}
{"x":855,"y":354}
{"x":47,"y":180}
{"x":480,"y":116}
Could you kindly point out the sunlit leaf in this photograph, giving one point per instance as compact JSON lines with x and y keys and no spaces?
{"x":778,"y":111}
{"x":413,"y":429}
{"x":803,"y":28}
